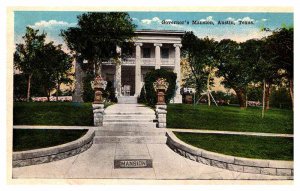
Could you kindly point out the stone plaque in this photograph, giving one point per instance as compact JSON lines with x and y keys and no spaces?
{"x":133,"y":163}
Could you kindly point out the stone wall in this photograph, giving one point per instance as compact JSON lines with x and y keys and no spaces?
{"x":246,"y":165}
{"x":45,"y":155}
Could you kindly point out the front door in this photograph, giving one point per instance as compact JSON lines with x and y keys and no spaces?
{"x":128,"y":80}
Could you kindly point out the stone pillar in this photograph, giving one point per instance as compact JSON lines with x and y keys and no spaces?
{"x":161,"y":115}
{"x":79,"y":75}
{"x":157,"y":56}
{"x":178,"y":96}
{"x":138,"y":62}
{"x":98,"y":110}
{"x":118,"y":74}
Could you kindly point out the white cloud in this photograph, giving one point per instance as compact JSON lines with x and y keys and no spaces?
{"x":51,"y":23}
{"x":244,"y":19}
{"x":208,"y":19}
{"x":151,"y":21}
{"x":247,"y":19}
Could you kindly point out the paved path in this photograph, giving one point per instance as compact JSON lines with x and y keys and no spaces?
{"x":97,"y":163}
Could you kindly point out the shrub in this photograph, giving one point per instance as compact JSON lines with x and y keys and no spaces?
{"x":280,"y":98}
{"x":148,"y":94}
{"x":88,"y":92}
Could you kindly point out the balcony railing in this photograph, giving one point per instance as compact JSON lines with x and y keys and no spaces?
{"x":145,"y":61}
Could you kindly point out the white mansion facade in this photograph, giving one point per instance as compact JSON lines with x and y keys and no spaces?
{"x":154,"y":49}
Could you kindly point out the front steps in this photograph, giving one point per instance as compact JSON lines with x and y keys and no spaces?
{"x":130,"y":134}
{"x":129,"y":123}
{"x":127,"y":99}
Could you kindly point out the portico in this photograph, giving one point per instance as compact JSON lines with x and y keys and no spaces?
{"x":154,"y":49}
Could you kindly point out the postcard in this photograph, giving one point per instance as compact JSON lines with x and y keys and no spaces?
{"x":190,"y":95}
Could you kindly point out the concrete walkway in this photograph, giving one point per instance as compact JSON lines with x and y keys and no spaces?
{"x":97,"y":163}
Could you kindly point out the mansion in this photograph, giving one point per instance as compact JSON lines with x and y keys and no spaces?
{"x":154,"y":49}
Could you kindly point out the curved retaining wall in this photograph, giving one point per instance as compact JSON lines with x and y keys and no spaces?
{"x":255,"y":166}
{"x":44,"y":155}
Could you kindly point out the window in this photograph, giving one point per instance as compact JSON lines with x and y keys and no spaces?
{"x":164,"y":53}
{"x":146,"y":52}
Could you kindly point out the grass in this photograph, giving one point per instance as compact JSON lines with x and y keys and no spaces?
{"x":276,"y":148}
{"x":28,"y":139}
{"x":53,"y":113}
{"x":229,"y":118}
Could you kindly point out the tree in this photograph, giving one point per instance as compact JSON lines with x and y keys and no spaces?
{"x":27,"y":56}
{"x":281,"y":44}
{"x":234,"y":71}
{"x":200,"y":54}
{"x":56,"y":65}
{"x":96,"y":36}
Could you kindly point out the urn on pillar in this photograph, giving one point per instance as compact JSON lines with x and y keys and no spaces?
{"x":98,"y":86}
{"x":160,"y":86}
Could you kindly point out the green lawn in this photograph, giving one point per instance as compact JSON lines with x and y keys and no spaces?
{"x":276,"y":148}
{"x":229,"y":118}
{"x":27,"y":139}
{"x":53,"y":113}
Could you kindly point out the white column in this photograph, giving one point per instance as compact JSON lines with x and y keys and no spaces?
{"x":118,"y":73}
{"x":138,"y":68}
{"x":157,"y":56}
{"x":178,"y":97}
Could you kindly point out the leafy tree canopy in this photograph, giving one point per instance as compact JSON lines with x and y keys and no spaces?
{"x":97,"y":34}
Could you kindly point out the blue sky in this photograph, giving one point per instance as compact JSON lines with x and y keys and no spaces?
{"x":53,"y":21}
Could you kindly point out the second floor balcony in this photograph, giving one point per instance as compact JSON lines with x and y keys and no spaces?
{"x":144,"y":62}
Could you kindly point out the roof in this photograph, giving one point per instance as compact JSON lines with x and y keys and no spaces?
{"x":160,"y":32}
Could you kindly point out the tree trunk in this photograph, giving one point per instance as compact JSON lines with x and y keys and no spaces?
{"x":208,"y":89}
{"x":246,"y":97}
{"x":292,"y":91}
{"x":28,"y":87}
{"x":263,"y":100}
{"x":241,"y":97}
{"x":57,"y":90}
{"x":267,"y":96}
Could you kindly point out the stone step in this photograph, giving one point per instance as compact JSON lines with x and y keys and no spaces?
{"x":131,"y":128}
{"x":128,"y":120}
{"x":131,"y":139}
{"x":127,"y":99}
{"x":129,"y":124}
{"x":129,"y":133}
{"x":129,"y":116}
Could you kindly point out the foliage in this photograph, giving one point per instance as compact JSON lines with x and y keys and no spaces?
{"x":20,"y":87}
{"x":88,"y":92}
{"x":28,"y":139}
{"x":224,"y":98}
{"x":258,"y":147}
{"x":281,"y":46}
{"x":52,"y":113}
{"x":28,"y":56}
{"x":200,"y":54}
{"x":109,"y":92}
{"x":96,"y":36}
{"x":56,"y":67}
{"x":233,"y":68}
{"x":148,"y":94}
{"x":229,"y":118}
{"x":281,"y":98}
{"x":255,"y":93}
